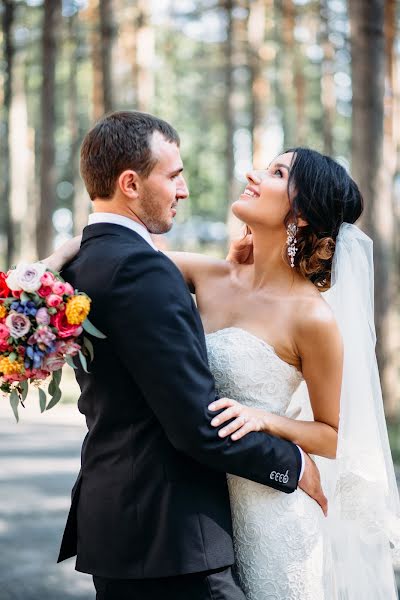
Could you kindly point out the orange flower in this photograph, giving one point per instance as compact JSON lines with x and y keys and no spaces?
{"x":77,"y":309}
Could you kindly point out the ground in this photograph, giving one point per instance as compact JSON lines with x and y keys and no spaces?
{"x":39,"y":464}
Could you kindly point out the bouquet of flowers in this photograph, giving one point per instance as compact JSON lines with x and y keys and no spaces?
{"x":42,"y":319}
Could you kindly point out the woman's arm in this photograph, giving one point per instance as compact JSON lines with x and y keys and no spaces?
{"x":321,"y":352}
{"x":193,"y":266}
{"x":63,"y":254}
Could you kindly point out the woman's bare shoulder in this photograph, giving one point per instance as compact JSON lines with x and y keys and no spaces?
{"x":314,"y":320}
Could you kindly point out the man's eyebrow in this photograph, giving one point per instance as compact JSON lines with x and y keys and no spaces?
{"x":177,"y":171}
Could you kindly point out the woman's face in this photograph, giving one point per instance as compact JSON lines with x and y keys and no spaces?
{"x":265,"y":199}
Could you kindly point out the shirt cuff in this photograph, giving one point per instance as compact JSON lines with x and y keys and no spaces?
{"x":302,"y":463}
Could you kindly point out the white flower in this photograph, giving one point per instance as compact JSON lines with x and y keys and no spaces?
{"x":26,"y":277}
{"x":11,"y":281}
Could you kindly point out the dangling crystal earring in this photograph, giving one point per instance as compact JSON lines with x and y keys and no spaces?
{"x":291,"y":242}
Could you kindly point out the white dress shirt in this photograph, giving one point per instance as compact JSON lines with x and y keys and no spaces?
{"x":104,"y":217}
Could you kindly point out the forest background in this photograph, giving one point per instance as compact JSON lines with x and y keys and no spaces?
{"x":240,"y":80}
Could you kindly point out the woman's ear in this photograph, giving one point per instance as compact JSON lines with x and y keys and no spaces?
{"x":128,"y":184}
{"x":301,"y":222}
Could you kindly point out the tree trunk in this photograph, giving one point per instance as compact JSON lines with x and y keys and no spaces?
{"x":228,"y":50}
{"x":80,"y":198}
{"x":127,"y":92}
{"x":388,"y":222}
{"x":107,"y":36}
{"x":144,"y":57}
{"x":97,"y":77}
{"x":51,"y":22}
{"x":328,"y":94}
{"x":99,"y":56}
{"x":9,"y":51}
{"x":22,"y":199}
{"x":368,"y":165}
{"x":260,"y":90}
{"x":287,"y":72}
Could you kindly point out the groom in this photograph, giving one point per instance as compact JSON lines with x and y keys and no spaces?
{"x":150,"y":515}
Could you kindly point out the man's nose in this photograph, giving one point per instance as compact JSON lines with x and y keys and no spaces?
{"x":182,"y":189}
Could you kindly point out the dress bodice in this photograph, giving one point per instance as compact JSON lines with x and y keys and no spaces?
{"x":248,"y":369}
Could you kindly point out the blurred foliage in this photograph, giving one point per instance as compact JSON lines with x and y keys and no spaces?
{"x":238,"y":78}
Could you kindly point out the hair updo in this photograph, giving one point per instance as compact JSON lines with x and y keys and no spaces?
{"x":323,"y":194}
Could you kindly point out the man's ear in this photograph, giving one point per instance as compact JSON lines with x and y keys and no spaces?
{"x":128,"y":183}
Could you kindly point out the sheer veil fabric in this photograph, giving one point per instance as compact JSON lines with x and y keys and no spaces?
{"x":362,"y":531}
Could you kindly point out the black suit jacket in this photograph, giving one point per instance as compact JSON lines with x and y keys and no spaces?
{"x":151,"y":499}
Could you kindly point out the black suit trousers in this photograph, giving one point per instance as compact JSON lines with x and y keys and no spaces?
{"x":219,"y":584}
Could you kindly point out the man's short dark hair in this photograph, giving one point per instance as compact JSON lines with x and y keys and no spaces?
{"x":120,"y":141}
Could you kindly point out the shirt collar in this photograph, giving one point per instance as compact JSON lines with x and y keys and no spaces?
{"x":104,"y":217}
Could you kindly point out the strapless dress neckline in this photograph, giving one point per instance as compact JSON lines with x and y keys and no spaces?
{"x":260,"y":340}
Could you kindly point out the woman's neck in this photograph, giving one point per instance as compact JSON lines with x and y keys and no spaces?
{"x":270,"y":270}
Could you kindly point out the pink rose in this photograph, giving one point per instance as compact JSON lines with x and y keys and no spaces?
{"x":69,"y":290}
{"x":58,"y":288}
{"x":4,"y":332}
{"x":4,"y":346}
{"x":53,"y":300}
{"x":44,"y":291}
{"x":37,"y":373}
{"x":53,"y":362}
{"x":64,"y":329}
{"x":18,"y":324}
{"x":78,"y":331}
{"x":47,"y":279}
{"x":42,"y":316}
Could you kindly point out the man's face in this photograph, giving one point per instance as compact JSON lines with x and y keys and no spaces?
{"x":161,"y":191}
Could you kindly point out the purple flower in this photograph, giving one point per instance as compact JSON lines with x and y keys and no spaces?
{"x":18,"y":324}
{"x":42,"y":316}
{"x":42,"y":335}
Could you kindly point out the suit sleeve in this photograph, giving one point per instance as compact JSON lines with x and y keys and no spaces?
{"x":157,"y":334}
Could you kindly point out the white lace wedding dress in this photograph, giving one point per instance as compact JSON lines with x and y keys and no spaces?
{"x":277,"y":537}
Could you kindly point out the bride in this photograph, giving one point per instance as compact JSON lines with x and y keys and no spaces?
{"x":292,"y":311}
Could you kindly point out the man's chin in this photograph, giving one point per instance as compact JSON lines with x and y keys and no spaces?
{"x":160,"y":228}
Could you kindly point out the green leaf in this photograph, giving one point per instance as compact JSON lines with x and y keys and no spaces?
{"x":83,"y":360}
{"x":42,"y":400}
{"x":53,"y":385}
{"x":24,"y":385}
{"x":25,"y":297}
{"x":68,"y":359}
{"x":90,"y":328}
{"x":14,"y":401}
{"x":12,"y":357}
{"x":89,"y":347}
{"x":55,"y":399}
{"x":57,"y":377}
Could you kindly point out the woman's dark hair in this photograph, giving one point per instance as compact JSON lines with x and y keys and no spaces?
{"x":323,"y":194}
{"x":119,"y":141}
